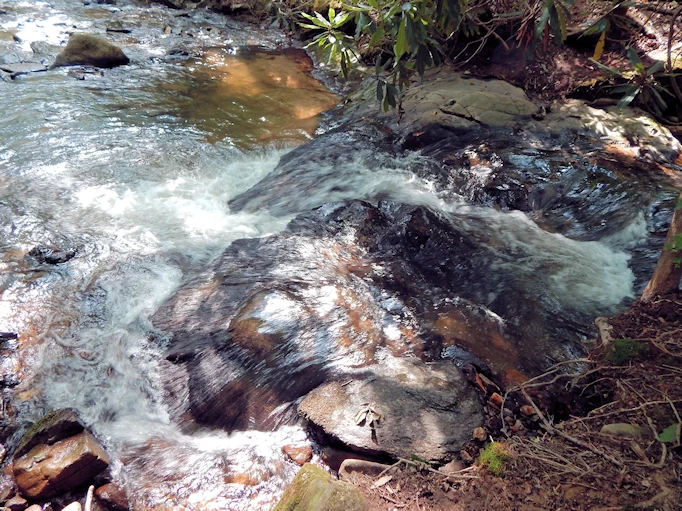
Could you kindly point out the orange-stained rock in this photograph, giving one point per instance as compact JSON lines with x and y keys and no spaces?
{"x":496,"y":400}
{"x":113,"y":496}
{"x":49,"y":470}
{"x":298,"y":454}
{"x":528,"y":410}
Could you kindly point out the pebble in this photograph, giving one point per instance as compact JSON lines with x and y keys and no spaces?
{"x":480,"y":434}
{"x":528,"y":410}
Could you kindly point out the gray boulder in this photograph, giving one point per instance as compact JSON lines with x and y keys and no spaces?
{"x":89,"y":50}
{"x":428,"y":410}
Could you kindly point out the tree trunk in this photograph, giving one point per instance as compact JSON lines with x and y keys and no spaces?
{"x":667,"y":275}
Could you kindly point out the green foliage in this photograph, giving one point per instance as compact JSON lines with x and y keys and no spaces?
{"x":641,"y":83}
{"x":671,"y":434}
{"x":494,"y":457}
{"x":675,"y":246}
{"x":624,"y":351}
{"x":404,"y":38}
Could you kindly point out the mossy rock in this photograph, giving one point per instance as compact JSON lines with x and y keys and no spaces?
{"x":51,"y":428}
{"x":89,"y":50}
{"x":313,"y":489}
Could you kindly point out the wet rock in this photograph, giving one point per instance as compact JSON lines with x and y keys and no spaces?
{"x":74,"y":506}
{"x":50,"y":470}
{"x":34,"y":507}
{"x":313,"y":488}
{"x":10,"y":58}
{"x":16,"y":503}
{"x":275,"y":317}
{"x":369,"y":468}
{"x":7,"y":487}
{"x":22,"y":68}
{"x":8,"y":336}
{"x":298,"y":454}
{"x":114,"y":496}
{"x":51,"y":428}
{"x":117,"y":26}
{"x":49,"y":255}
{"x":89,"y":50}
{"x":428,"y":410}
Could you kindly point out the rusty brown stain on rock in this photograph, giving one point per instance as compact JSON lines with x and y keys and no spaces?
{"x":48,"y":470}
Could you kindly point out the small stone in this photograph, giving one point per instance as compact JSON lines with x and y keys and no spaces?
{"x":452,"y":467}
{"x":113,"y":495}
{"x":74,"y":506}
{"x":298,"y":454}
{"x":465,"y":456}
{"x":495,"y":400}
{"x":480,"y":434}
{"x":625,"y":430}
{"x":16,"y":503}
{"x":527,"y":410}
{"x":34,"y":507}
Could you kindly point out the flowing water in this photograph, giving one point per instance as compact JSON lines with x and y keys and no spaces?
{"x":133,"y":169}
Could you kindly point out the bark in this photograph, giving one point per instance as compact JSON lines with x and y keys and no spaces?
{"x":667,"y":275}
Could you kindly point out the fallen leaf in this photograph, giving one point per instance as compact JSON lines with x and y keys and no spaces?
{"x":382,"y":481}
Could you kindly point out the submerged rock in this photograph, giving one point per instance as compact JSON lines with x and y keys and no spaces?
{"x":22,"y":68}
{"x":426,"y":410}
{"x":89,"y":50}
{"x":313,"y":488}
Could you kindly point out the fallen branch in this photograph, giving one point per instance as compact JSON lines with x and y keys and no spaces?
{"x":553,"y":431}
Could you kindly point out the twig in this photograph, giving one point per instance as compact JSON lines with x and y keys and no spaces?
{"x":397,"y":504}
{"x":88,"y":499}
{"x":652,"y":501}
{"x":552,"y":430}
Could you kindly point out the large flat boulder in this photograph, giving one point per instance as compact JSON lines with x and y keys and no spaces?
{"x":50,"y":470}
{"x":90,"y":50}
{"x":428,"y":410}
{"x":275,"y":317}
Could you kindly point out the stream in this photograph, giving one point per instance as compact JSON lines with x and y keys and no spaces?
{"x":146,"y":173}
